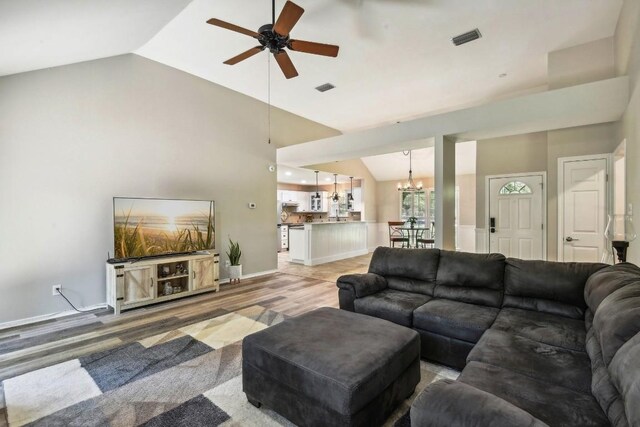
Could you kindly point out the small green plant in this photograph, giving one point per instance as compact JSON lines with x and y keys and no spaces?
{"x":234,"y":253}
{"x":413,"y":220}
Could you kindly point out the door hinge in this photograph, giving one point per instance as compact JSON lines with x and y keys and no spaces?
{"x":542,"y":226}
{"x":607,"y":175}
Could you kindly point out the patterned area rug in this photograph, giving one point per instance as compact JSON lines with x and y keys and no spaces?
{"x":187,"y":377}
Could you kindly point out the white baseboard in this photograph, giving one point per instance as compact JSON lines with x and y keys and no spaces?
{"x":252,"y":275}
{"x":341,"y":256}
{"x":35,"y":319}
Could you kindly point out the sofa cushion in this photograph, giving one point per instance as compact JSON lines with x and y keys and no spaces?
{"x":392,"y":305}
{"x":625,"y":374}
{"x":448,"y":403}
{"x":570,"y":369}
{"x":470,"y":278}
{"x":606,"y":281}
{"x":553,"y":404}
{"x":550,"y":287}
{"x":411,"y":270}
{"x":602,"y":386}
{"x":617,"y":319}
{"x":454,"y":319}
{"x":542,"y":327}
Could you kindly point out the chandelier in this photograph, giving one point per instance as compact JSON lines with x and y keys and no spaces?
{"x":409,"y":186}
{"x":317,"y":195}
{"x":335,"y":196}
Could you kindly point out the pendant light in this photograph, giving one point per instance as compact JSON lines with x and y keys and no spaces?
{"x":335,"y":197}
{"x":409,"y":186}
{"x":350,"y":197}
{"x":317,"y":195}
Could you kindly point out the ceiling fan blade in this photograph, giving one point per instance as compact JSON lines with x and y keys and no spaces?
{"x":314,"y":48}
{"x":244,"y":55}
{"x":285,"y":64}
{"x":233,"y":27}
{"x":288,"y":18}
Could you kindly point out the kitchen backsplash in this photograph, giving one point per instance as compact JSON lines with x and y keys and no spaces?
{"x":302,"y":217}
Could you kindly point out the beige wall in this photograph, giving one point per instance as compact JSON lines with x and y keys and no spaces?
{"x":581,"y":64}
{"x":73,"y":137}
{"x":580,"y":141}
{"x":356,"y":168}
{"x":467,"y":187}
{"x":539,"y":152}
{"x":507,"y":155}
{"x":628,"y":62}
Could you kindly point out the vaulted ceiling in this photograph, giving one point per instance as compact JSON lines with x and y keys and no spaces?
{"x":396,"y":58}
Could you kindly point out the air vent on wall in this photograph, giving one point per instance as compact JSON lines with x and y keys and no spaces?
{"x":466,"y":37}
{"x":325,"y":87}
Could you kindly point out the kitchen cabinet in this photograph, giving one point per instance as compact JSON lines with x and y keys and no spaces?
{"x":357,"y":200}
{"x":318,"y":205}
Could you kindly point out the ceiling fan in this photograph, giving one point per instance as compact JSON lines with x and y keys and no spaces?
{"x":275,"y":37}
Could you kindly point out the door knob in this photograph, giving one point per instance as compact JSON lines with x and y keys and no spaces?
{"x":571,"y":239}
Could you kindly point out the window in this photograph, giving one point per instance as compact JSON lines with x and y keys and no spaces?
{"x":515,"y":187}
{"x":413,"y":204}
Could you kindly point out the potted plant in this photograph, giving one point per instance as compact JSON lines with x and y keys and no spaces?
{"x":234,"y":253}
{"x":412,"y":221}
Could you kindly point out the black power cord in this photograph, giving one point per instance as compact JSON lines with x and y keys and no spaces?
{"x":71,"y":304}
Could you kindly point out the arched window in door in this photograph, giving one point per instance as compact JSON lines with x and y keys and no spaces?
{"x":515,"y":187}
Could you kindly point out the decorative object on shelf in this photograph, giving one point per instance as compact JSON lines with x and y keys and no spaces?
{"x":412,"y":221}
{"x":409,"y":185}
{"x":177,"y":289}
{"x":335,"y":196}
{"x":275,"y":37}
{"x":180,"y":269}
{"x":166,"y":271}
{"x":234,"y":253}
{"x":168,"y":289}
{"x":619,"y":232}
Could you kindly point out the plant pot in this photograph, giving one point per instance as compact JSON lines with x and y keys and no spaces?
{"x":235,"y":272}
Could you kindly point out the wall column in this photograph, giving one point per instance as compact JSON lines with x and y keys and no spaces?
{"x":445,"y":188}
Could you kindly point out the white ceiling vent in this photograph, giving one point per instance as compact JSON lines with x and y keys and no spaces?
{"x":466,"y":37}
{"x":325,"y":87}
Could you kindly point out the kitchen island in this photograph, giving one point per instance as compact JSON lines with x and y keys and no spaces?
{"x":322,"y":242}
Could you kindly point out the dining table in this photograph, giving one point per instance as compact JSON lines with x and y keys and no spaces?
{"x":413,"y":233}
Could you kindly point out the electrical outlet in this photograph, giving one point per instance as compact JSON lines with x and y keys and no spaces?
{"x":55,"y":290}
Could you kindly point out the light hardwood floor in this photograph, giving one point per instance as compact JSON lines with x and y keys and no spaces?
{"x":295,"y":289}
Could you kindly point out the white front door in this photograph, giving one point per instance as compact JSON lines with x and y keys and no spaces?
{"x":584,"y":209}
{"x":516,"y":221}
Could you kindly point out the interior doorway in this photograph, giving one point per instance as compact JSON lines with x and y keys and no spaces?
{"x":582,"y":207}
{"x":516,"y":206}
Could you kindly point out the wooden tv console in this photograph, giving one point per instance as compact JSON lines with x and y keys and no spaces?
{"x":134,"y":284}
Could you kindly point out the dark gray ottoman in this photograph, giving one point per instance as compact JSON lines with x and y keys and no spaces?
{"x":331,"y":367}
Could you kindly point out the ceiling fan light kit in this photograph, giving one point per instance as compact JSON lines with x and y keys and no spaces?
{"x":275,"y":37}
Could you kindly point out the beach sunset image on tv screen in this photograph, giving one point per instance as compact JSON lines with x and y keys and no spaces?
{"x":147,"y":227}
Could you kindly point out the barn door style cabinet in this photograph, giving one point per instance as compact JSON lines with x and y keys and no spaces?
{"x":136,"y":283}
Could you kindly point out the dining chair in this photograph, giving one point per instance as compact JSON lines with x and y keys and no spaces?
{"x":424,"y":238}
{"x":397,"y":235}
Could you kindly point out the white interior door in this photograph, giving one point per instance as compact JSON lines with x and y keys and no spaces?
{"x":516,"y":221}
{"x":584,"y":209}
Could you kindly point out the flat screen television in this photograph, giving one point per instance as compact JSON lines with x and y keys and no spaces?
{"x":154,"y":227}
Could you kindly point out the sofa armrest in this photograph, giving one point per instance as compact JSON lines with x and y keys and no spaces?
{"x":362,"y":284}
{"x":451,"y":403}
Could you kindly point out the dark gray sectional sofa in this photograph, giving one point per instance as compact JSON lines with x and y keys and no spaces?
{"x":538,"y":343}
